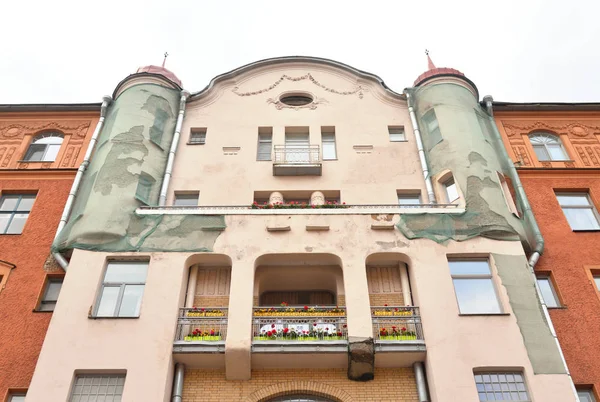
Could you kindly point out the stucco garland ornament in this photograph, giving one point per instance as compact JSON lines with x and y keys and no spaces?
{"x":359,"y":89}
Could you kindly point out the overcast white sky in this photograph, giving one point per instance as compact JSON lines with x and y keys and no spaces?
{"x":520,"y":51}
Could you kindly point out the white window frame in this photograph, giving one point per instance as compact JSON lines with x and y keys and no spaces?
{"x":328,"y":137}
{"x":491,"y":382}
{"x":265,"y":139}
{"x":12,"y":395}
{"x":590,"y":205}
{"x":555,"y":303}
{"x":409,"y":196}
{"x":121,"y":285}
{"x":396,"y":134}
{"x":587,"y":393}
{"x":541,"y":141}
{"x":489,"y":276}
{"x":448,"y":183}
{"x":47,"y":156}
{"x":16,"y":211}
{"x":93,"y":384}
{"x":197,"y":136}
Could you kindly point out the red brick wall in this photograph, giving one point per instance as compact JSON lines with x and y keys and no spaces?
{"x":566,"y":256}
{"x":21,"y":330}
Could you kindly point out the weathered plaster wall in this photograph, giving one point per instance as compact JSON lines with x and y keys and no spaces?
{"x":22,"y":331}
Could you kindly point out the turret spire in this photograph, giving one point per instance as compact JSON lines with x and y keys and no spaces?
{"x":430,"y":65}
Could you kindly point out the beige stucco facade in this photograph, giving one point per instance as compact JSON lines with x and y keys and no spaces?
{"x":328,"y":250}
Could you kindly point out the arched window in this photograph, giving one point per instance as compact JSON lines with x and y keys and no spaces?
{"x":300,"y":398}
{"x":44,"y":147}
{"x":547,"y":147}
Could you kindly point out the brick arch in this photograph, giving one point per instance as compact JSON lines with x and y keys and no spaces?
{"x":302,"y":387}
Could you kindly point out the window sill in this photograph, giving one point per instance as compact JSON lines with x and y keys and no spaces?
{"x":195,"y":143}
{"x":333,"y":159}
{"x":585,"y":230}
{"x":42,"y":311}
{"x":11,"y":234}
{"x":482,"y":314}
{"x":557,"y":308}
{"x":95,"y":317}
{"x":26,"y":161}
{"x":264,"y":160}
{"x":399,"y":141}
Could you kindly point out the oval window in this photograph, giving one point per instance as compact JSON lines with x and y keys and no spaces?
{"x":296,"y":99}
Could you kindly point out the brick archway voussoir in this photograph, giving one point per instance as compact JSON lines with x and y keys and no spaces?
{"x":296,"y":387}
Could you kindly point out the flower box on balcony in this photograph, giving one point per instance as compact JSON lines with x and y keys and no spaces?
{"x":298,"y":314}
{"x":207,"y":313}
{"x":203,"y":338}
{"x":398,"y":337}
{"x":300,"y":338}
{"x":386,"y":313}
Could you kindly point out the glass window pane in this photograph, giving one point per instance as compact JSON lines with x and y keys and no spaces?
{"x":597,"y":280}
{"x":547,"y":292}
{"x":469,"y":267}
{"x":396,"y":134}
{"x":51,"y":153}
{"x":9,"y":202}
{"x":26,"y":202}
{"x":186,"y":200}
{"x":586,"y":396}
{"x":581,"y":218}
{"x":264,"y":151}
{"x":126,"y":272}
{"x":47,"y":306}
{"x":17,"y":398}
{"x":4,"y":218}
{"x":556,"y":152}
{"x":53,"y":290}
{"x":573,"y":199}
{"x":476,"y":296}
{"x":132,"y":301}
{"x":329,"y":150}
{"x":541,"y":153}
{"x":108,"y":301}
{"x":17,"y":224}
{"x":49,"y":139}
{"x":451,"y":191}
{"x":407,"y":199}
{"x":35,"y":152}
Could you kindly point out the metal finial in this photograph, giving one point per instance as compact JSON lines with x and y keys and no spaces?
{"x":165,"y":59}
{"x":427,"y":52}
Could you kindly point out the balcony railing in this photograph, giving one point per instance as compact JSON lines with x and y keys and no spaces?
{"x":295,"y":160}
{"x":396,"y":324}
{"x":299,"y":324}
{"x":201,"y":325}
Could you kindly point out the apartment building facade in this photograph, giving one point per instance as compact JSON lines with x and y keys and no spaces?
{"x":556,"y":150}
{"x":40,"y":151}
{"x":297,"y":231}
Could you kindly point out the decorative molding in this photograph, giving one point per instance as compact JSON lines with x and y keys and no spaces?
{"x":360,"y":90}
{"x":231,"y":150}
{"x":363,"y":149}
{"x":311,"y":106}
{"x":560,"y":127}
{"x":77,"y":128}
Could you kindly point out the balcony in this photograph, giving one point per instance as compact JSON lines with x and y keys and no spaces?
{"x":299,"y":160}
{"x":397,"y":329}
{"x":201,"y":330}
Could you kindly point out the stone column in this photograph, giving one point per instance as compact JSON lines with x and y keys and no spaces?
{"x":191,"y":288}
{"x":405,"y":285}
{"x":239,"y":323}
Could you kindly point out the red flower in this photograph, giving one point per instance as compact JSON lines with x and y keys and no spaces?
{"x":396,"y":309}
{"x":212,"y":331}
{"x":268,"y":333}
{"x":202,"y":309}
{"x":305,"y":307}
{"x":345,"y":325}
{"x":393,"y":327}
{"x":385,"y":305}
{"x":314,"y":324}
{"x":339,"y":334}
{"x":272,"y":325}
{"x":326,"y":329}
{"x":285,"y":330}
{"x":403,"y":329}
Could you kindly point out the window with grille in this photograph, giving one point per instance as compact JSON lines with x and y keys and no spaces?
{"x":51,"y":292}
{"x":507,"y":386}
{"x":122,"y":289}
{"x":44,"y":147}
{"x":474,"y":287}
{"x":328,"y":143}
{"x":265,"y":144}
{"x":14,"y":211}
{"x":547,"y":147}
{"x":579,"y":211}
{"x":396,"y":134}
{"x":98,"y":387}
{"x":197,"y":136}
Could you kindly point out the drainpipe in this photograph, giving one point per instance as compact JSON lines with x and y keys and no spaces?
{"x":417,"y":131}
{"x":106,"y":100}
{"x":178,"y":383}
{"x":162,"y":199}
{"x":537,"y":234}
{"x":421,"y":384}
